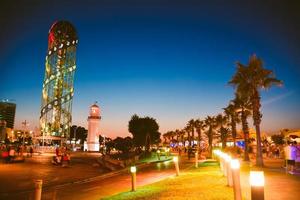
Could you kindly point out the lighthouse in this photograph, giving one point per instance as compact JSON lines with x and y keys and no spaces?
{"x":94,"y":117}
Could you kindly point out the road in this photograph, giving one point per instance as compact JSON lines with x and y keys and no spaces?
{"x":106,"y":186}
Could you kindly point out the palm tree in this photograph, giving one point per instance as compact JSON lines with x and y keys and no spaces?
{"x":210,"y":123}
{"x":232,"y":115}
{"x":250,"y":80}
{"x":177,"y":133}
{"x":221,"y":122}
{"x":187,"y":129}
{"x":182,"y":133}
{"x":165,"y":136}
{"x":191,"y":124}
{"x":243,"y":108}
{"x":199,"y":126}
{"x":172,"y":135}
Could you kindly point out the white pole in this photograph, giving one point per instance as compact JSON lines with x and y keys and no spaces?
{"x":38,"y":189}
{"x":196,"y":159}
{"x":235,"y":167}
{"x":175,"y":159}
{"x":133,"y":178}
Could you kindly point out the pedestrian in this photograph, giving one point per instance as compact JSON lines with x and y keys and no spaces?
{"x":31,"y":151}
{"x":290,"y":152}
{"x":11,"y":153}
{"x":189,"y":152}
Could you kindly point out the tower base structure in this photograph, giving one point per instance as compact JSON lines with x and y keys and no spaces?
{"x":91,"y":146}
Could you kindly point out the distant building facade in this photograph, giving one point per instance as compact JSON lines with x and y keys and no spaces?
{"x":2,"y":130}
{"x":7,"y":113}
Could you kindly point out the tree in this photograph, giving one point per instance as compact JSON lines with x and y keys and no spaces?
{"x":123,"y":144}
{"x":232,"y":115}
{"x":191,"y":125}
{"x":243,"y":108}
{"x":278,"y":139}
{"x":144,"y":131}
{"x":210,"y":123}
{"x":187,"y":129}
{"x":199,"y":126}
{"x":251,"y":79}
{"x":177,"y":134}
{"x":221,"y":122}
{"x":81,"y":133}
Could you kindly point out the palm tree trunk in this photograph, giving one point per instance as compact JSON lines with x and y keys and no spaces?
{"x":193,"y":136}
{"x":189,"y":138}
{"x":246,"y":152}
{"x":259,"y":157}
{"x":210,"y":139}
{"x":199,"y":138}
{"x":257,"y":119}
{"x":246,"y":135}
{"x":233,"y":129}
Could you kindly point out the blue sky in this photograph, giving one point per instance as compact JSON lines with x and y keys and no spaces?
{"x":171,"y":61}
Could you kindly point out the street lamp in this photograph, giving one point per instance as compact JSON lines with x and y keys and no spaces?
{"x":133,"y":178}
{"x":228,"y":170}
{"x":257,"y":182}
{"x":175,"y":160}
{"x":235,"y":168}
{"x":25,"y":124}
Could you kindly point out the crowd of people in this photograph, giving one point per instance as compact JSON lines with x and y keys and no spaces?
{"x":11,"y":153}
{"x":62,"y":156}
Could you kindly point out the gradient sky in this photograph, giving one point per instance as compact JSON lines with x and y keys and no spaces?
{"x":170,"y":61}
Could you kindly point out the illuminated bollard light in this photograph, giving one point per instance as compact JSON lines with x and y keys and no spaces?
{"x":196,"y":159}
{"x":175,"y":160}
{"x":167,"y":152}
{"x":38,"y":184}
{"x":224,"y":155}
{"x":133,"y":178}
{"x":235,"y":168}
{"x":257,"y":183}
{"x":221,"y":161}
{"x":228,"y":169}
{"x":158,"y":154}
{"x":214,"y":154}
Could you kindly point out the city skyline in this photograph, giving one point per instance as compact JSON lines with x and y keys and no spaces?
{"x":173,"y":65}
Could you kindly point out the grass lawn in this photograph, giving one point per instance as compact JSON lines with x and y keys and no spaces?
{"x":154,"y":158}
{"x":206,"y":182}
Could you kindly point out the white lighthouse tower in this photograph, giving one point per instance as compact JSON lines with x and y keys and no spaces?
{"x":92,"y":143}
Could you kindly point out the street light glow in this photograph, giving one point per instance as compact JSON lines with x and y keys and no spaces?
{"x":175,"y":159}
{"x":235,"y":164}
{"x":133,"y":169}
{"x":257,"y":178}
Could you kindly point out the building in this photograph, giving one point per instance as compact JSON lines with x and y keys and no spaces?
{"x":2,"y":130}
{"x":7,"y":113}
{"x":92,"y":143}
{"x":57,"y":94}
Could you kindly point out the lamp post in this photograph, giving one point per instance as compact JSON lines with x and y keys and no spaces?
{"x":229,"y":173}
{"x":235,"y":168}
{"x":196,"y":159}
{"x":133,"y":178}
{"x":158,"y":154}
{"x":224,"y":166}
{"x":38,"y":189}
{"x":25,"y":124}
{"x":257,"y":183}
{"x":175,"y":160}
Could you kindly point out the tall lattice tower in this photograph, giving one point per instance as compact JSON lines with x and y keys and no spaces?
{"x":57,"y":94}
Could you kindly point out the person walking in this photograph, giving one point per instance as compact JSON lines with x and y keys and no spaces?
{"x":31,"y":151}
{"x":11,"y":153}
{"x":290,"y":152}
